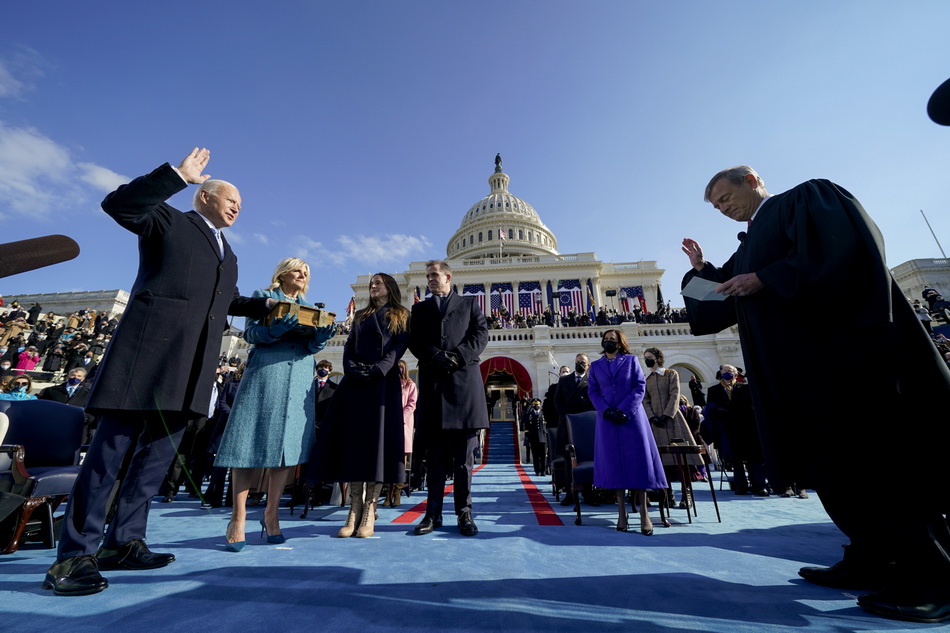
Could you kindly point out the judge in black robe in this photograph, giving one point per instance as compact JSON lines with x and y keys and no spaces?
{"x":802,"y":250}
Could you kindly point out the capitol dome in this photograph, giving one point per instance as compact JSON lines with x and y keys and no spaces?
{"x":479,"y":236}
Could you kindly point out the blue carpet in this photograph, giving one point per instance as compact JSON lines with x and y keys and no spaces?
{"x":737,"y":576}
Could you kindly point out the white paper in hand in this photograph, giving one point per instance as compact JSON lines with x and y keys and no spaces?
{"x":703,"y":290}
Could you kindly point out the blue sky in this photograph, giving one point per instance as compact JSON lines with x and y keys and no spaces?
{"x":359,"y":133}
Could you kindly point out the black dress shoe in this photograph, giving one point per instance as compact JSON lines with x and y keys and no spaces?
{"x":929,"y":605}
{"x":133,"y":555}
{"x":76,"y":576}
{"x":467,"y":525}
{"x":846,"y":575}
{"x":427,"y":525}
{"x":568,"y":500}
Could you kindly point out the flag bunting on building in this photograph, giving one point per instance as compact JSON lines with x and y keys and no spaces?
{"x":570,"y":296}
{"x":529,"y":298}
{"x":502,"y":294}
{"x":634,"y":293}
{"x":477,"y":291}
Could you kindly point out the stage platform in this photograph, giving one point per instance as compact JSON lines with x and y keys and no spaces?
{"x":529,"y":569}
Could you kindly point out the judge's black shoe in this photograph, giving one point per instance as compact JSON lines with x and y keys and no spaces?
{"x":76,"y":576}
{"x":427,"y":525}
{"x":930,"y":605}
{"x":568,"y":500}
{"x":467,"y":525}
{"x":133,"y":555}
{"x":846,"y":575}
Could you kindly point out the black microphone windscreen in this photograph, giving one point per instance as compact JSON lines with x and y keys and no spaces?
{"x":741,"y":236}
{"x":37,"y":252}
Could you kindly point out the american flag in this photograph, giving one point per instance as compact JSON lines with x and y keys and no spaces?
{"x":350,"y":310}
{"x":502,"y":235}
{"x":570,"y":296}
{"x":529,"y":298}
{"x":503,"y":295}
{"x":591,"y":308}
{"x":477,"y":291}
{"x":415,"y":296}
{"x":633,"y":292}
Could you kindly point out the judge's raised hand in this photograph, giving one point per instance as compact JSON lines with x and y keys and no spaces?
{"x":741,"y":285}
{"x":193,"y":164}
{"x":695,"y":253}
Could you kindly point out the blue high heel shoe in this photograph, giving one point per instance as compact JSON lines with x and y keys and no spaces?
{"x":236,"y":546}
{"x":277,"y":539}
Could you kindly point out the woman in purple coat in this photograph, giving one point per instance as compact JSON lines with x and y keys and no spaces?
{"x":625,"y":453}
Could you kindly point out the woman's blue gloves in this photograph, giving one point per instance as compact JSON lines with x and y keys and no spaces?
{"x":282,"y":325}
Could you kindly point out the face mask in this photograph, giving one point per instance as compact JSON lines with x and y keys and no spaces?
{"x":609,"y":346}
{"x":72,"y":382}
{"x":683,"y":408}
{"x":5,"y":366}
{"x":580,"y":367}
{"x":323,"y":373}
{"x":20,"y":389}
{"x":650,"y":362}
{"x":727,"y":376}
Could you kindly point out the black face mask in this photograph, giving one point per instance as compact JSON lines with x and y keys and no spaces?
{"x":609,"y":346}
{"x":650,"y":362}
{"x":580,"y":367}
{"x":322,"y":372}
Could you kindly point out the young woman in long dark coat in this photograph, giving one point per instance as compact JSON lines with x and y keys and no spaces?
{"x":363,"y":433}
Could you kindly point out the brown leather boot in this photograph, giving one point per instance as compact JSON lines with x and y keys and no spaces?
{"x":397,"y":494}
{"x":356,"y":509}
{"x":368,"y":524}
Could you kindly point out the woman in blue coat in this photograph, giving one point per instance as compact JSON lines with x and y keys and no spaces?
{"x":272,"y":419}
{"x":625,"y":453}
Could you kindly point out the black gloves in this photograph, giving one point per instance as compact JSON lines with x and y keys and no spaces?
{"x":615,"y":415}
{"x":448,"y":362}
{"x":365,"y":373}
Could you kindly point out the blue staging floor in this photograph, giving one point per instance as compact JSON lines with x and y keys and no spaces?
{"x":515,"y":575}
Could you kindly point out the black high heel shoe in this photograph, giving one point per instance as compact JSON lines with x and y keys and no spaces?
{"x":625,"y":527}
{"x":644,"y":531}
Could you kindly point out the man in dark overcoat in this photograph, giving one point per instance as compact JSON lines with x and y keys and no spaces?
{"x":157,"y":371}
{"x":800,"y":249}
{"x":447,"y":334}
{"x":730,"y":420}
{"x":571,"y":397}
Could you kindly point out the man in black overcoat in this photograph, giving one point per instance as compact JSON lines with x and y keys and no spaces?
{"x":730,"y":420}
{"x":157,"y":372}
{"x":447,"y":334}
{"x":571,"y":397}
{"x":800,"y":249}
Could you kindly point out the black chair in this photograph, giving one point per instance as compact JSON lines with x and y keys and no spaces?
{"x":580,"y":454}
{"x":39,"y":461}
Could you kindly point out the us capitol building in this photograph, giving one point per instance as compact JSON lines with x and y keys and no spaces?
{"x":507,"y":258}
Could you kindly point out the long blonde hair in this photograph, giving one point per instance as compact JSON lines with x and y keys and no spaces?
{"x":397,"y":319}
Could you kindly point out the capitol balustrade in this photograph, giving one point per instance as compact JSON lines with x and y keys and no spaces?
{"x":593,"y":332}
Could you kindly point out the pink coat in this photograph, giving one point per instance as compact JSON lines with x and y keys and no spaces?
{"x":408,"y":410}
{"x":27,"y":361}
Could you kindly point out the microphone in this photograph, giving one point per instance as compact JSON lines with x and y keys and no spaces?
{"x":741,"y":236}
{"x":38,"y":252}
